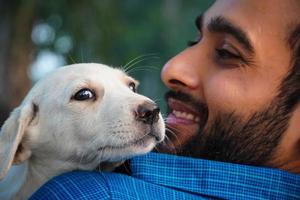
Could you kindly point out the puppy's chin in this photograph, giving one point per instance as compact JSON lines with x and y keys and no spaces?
{"x":128,"y":150}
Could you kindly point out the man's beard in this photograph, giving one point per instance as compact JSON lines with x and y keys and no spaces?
{"x":230,"y":137}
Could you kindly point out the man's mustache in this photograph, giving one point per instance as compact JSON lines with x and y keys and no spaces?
{"x":197,"y":105}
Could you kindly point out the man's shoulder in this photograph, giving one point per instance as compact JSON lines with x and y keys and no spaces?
{"x":74,"y":185}
{"x":97,"y":185}
{"x":161,"y":176}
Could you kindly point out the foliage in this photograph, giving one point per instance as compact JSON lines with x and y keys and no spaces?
{"x":115,"y":32}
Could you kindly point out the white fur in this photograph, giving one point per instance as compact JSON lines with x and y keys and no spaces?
{"x":51,"y":133}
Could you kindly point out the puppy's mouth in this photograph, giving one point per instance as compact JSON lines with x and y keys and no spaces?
{"x":144,"y":141}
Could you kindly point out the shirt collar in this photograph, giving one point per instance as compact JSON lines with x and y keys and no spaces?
{"x":215,"y":179}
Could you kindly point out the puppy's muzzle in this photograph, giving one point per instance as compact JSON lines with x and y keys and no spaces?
{"x":148,"y":113}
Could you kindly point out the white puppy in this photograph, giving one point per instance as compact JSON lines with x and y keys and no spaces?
{"x":75,"y":118}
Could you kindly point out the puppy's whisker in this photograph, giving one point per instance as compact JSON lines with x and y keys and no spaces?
{"x":126,"y":168}
{"x":71,"y":58}
{"x":142,"y":68}
{"x":93,"y":141}
{"x":134,"y":65}
{"x":145,"y":67}
{"x":173,"y":134}
{"x":157,"y":149}
{"x":164,"y":117}
{"x":81,"y":158}
{"x":172,"y":131}
{"x":109,"y":151}
{"x":139,"y":70}
{"x":138,"y":60}
{"x":81,"y":53}
{"x":158,"y":100}
{"x":169,"y":142}
{"x":101,"y":159}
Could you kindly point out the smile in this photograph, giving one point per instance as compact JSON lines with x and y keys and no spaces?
{"x":181,"y":113}
{"x":185,"y":115}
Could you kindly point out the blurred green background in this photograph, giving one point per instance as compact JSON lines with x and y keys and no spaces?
{"x":36,"y":36}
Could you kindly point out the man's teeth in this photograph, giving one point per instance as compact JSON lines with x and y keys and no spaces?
{"x":185,"y":115}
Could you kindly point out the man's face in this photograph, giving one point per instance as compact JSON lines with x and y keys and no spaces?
{"x":227,"y":85}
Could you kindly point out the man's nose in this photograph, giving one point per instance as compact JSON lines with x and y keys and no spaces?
{"x":182,"y":71}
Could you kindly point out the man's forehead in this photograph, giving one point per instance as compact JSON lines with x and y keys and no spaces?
{"x":260,"y":5}
{"x":272,"y":11}
{"x":274,"y":18}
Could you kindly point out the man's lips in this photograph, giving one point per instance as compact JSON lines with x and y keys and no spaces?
{"x":181,"y":113}
{"x":183,"y":124}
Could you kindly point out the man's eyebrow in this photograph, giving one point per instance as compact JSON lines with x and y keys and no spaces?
{"x":221,"y":25}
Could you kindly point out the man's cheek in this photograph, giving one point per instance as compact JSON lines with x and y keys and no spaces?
{"x":228,"y":95}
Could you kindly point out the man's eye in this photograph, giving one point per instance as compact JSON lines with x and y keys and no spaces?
{"x":225,"y":54}
{"x":132,"y":86}
{"x":84,"y":94}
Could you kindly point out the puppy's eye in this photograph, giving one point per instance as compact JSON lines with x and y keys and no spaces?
{"x":132,"y":86}
{"x":84,"y":94}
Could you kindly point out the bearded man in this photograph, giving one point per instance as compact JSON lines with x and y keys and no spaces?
{"x":234,"y":115}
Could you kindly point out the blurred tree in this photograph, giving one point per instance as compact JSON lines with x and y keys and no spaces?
{"x":15,"y":52}
{"x":117,"y":31}
{"x":113,"y":32}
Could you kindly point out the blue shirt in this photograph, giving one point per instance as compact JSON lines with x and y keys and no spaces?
{"x":161,"y":176}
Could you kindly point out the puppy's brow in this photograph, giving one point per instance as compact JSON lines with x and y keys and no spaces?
{"x":129,"y":79}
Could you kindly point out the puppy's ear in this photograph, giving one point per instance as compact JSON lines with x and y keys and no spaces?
{"x":11,"y":135}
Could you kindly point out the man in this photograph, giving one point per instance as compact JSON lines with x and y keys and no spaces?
{"x":234,"y":98}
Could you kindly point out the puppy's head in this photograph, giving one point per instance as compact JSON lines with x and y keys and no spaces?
{"x":83,"y":114}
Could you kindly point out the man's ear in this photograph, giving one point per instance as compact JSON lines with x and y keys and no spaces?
{"x":11,"y":135}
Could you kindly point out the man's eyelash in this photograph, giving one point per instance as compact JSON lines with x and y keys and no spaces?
{"x":225,"y":53}
{"x":230,"y":55}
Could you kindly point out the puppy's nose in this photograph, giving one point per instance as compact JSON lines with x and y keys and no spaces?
{"x":148,"y":113}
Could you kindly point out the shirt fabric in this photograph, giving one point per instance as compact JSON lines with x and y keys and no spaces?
{"x":162,"y":176}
